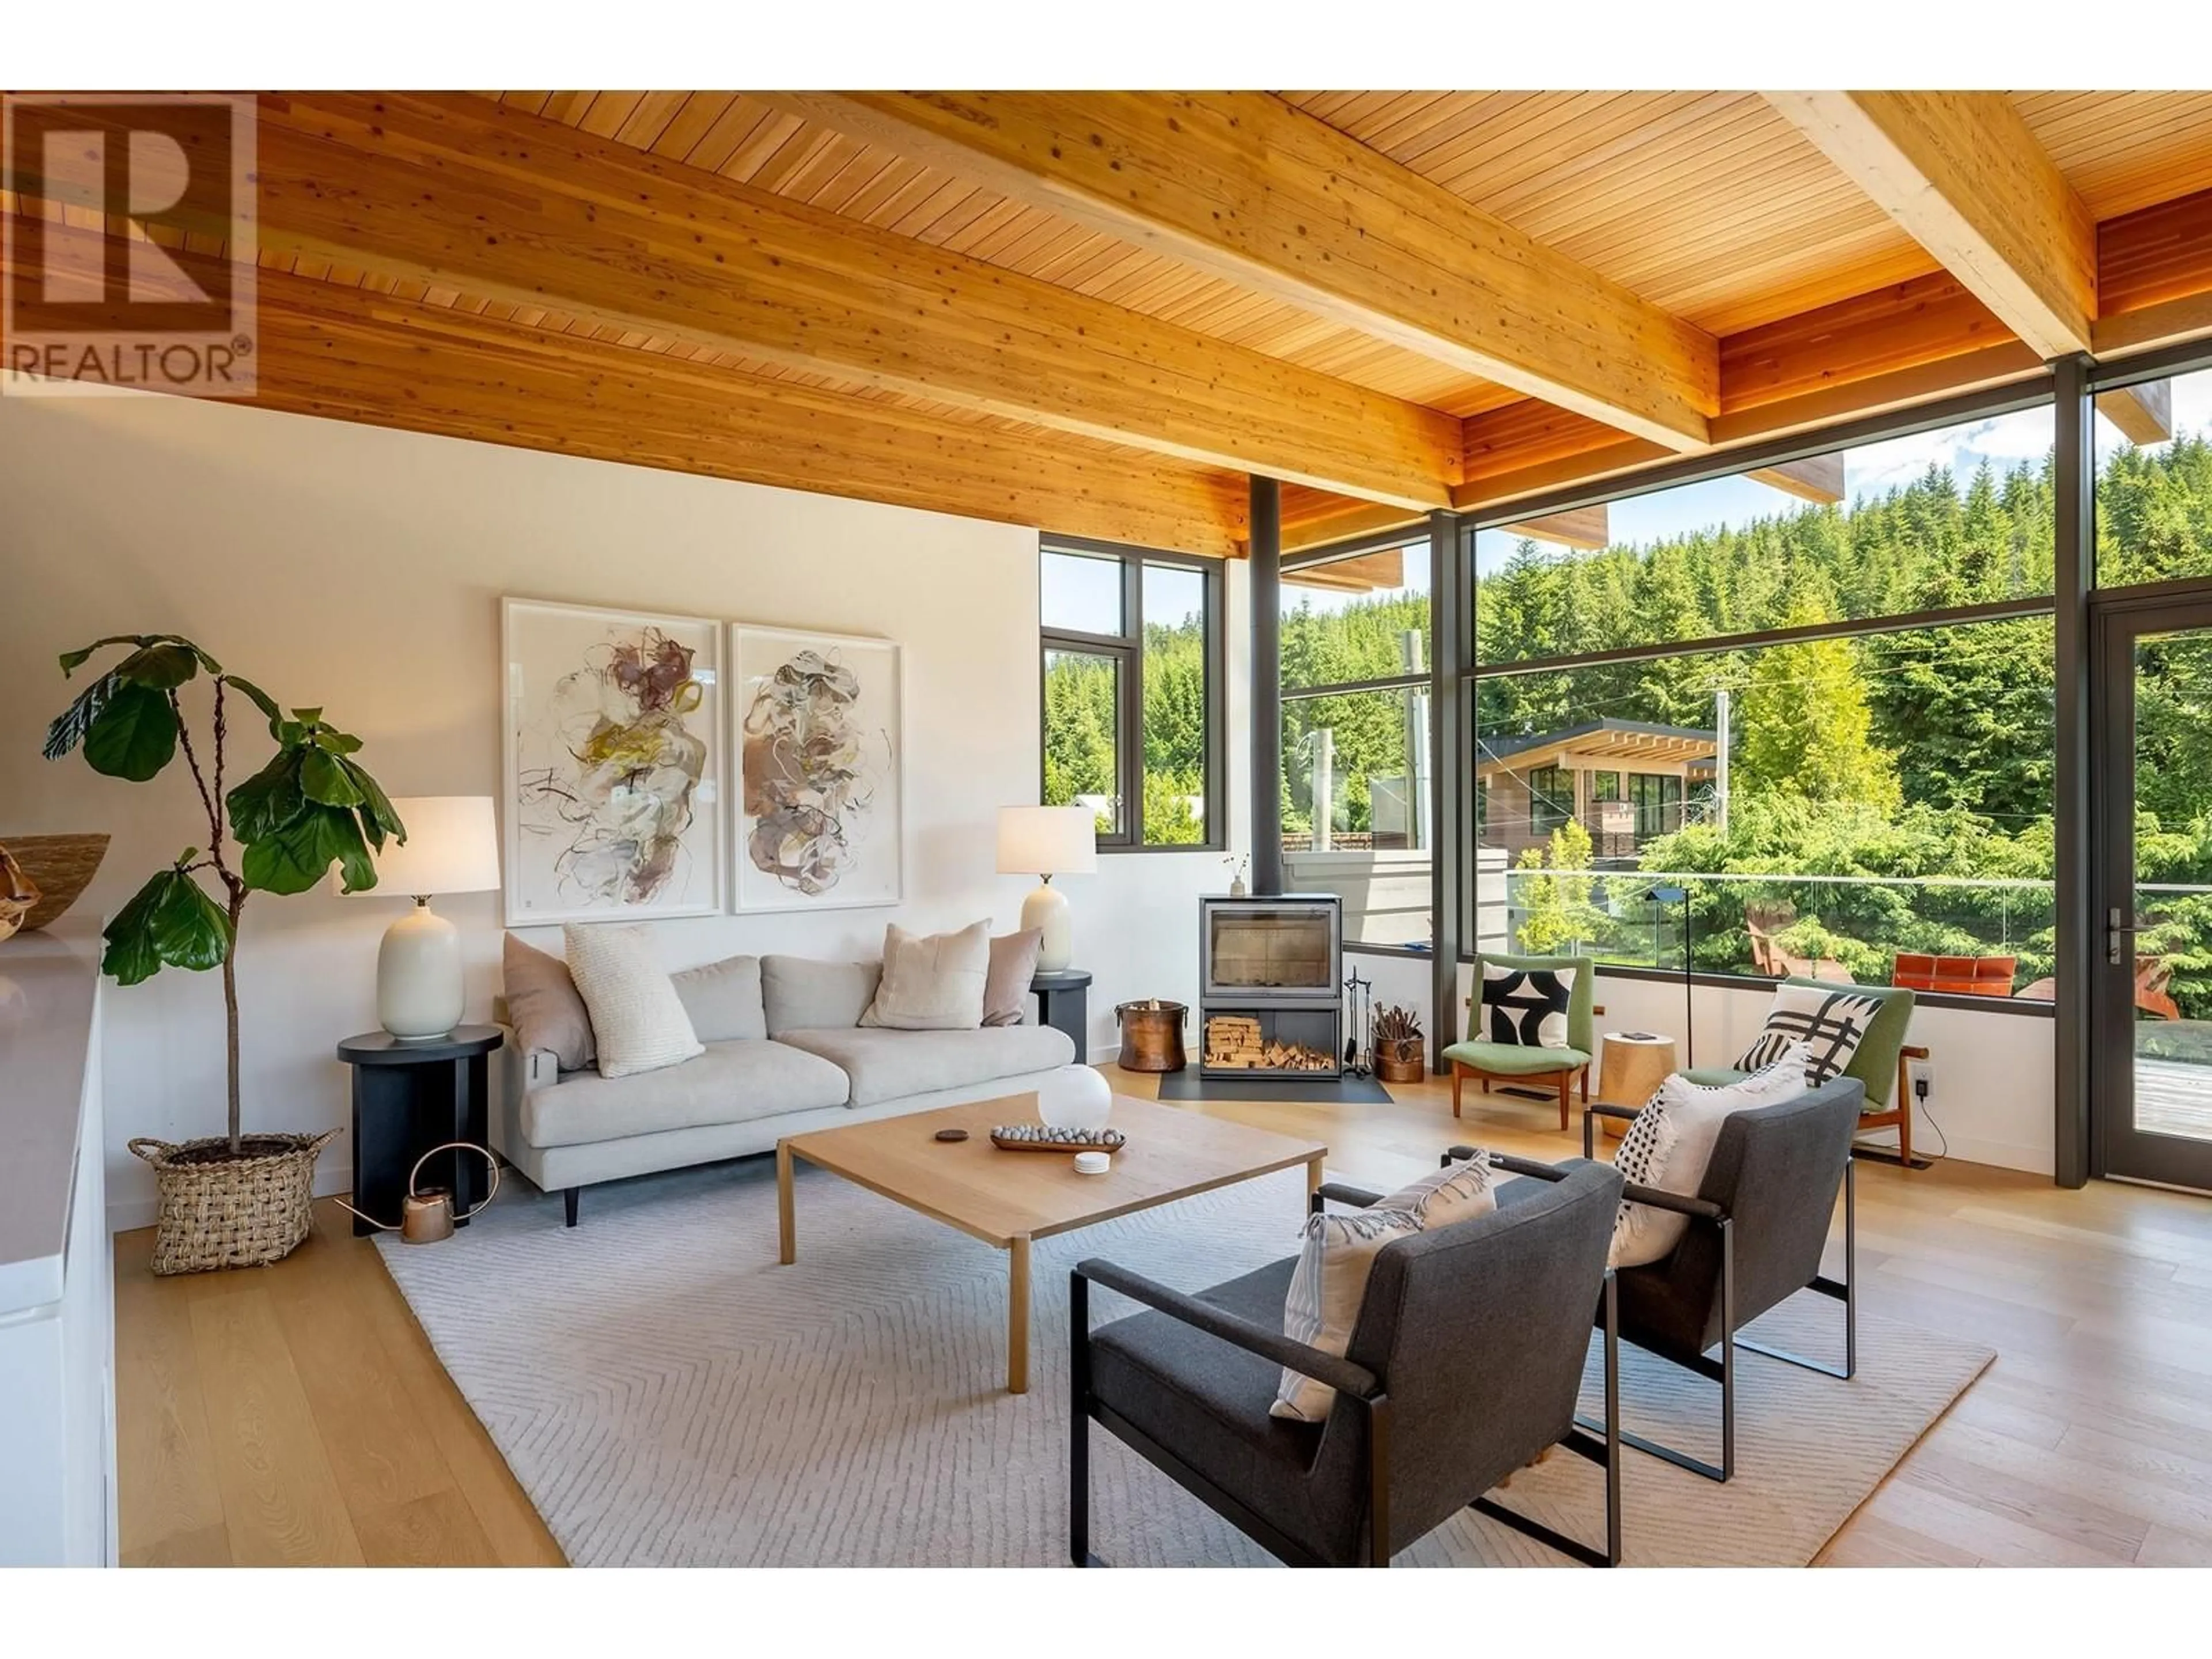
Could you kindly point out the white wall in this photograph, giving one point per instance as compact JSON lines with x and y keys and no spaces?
{"x":362,"y":570}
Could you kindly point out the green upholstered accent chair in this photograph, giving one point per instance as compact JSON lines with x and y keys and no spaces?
{"x":1879,"y":1063}
{"x":1483,"y":1061}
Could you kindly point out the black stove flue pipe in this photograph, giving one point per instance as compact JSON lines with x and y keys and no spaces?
{"x":1266,"y":671}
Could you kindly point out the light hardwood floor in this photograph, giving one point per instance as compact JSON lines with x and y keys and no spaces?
{"x":296,"y":1413}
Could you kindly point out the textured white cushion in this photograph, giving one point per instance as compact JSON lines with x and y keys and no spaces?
{"x":636,"y":1016}
{"x":1327,"y":1287}
{"x":1671,"y":1142}
{"x":932,"y":982}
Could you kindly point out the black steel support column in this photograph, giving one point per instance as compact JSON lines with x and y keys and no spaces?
{"x":2074,"y":466}
{"x":1448,"y":782}
{"x":1266,"y":671}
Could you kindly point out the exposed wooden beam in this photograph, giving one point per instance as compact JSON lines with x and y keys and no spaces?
{"x":1245,"y":186}
{"x":1871,"y":339}
{"x":1818,"y":480}
{"x":2143,"y":414}
{"x":1902,"y":325}
{"x":1312,"y":517}
{"x":1363,"y":572}
{"x":352,"y":355}
{"x":1963,"y":174}
{"x":1587,"y":527}
{"x":461,"y":193}
{"x":2154,"y":276}
{"x":2169,"y":322}
{"x":1499,"y":482}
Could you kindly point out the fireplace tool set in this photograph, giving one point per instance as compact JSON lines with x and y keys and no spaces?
{"x":1359,"y":1057}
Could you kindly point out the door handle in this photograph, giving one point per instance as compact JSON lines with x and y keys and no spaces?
{"x":2116,"y":932}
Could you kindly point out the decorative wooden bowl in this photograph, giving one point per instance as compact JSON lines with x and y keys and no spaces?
{"x":1044,"y":1138}
{"x":61,"y":866}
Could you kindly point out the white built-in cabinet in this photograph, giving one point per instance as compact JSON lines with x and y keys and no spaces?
{"x":57,"y":1274}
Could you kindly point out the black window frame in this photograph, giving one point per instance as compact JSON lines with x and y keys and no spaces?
{"x":2048,"y":387}
{"x":1651,"y":815}
{"x":1544,"y":812}
{"x":1127,"y":650}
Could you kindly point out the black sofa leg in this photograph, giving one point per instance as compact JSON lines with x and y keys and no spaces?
{"x":568,"y":1195}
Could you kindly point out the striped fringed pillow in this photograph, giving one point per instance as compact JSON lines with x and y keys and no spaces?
{"x":1327,"y":1288}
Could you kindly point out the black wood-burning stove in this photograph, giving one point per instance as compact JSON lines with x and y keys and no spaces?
{"x":1270,"y":973}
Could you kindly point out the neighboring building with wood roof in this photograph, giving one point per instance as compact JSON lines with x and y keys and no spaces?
{"x":1624,"y":781}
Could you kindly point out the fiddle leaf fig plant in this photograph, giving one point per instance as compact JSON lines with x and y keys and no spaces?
{"x":312,"y":805}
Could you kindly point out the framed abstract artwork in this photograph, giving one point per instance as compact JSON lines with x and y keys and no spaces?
{"x":818,"y":725}
{"x":612,"y":756}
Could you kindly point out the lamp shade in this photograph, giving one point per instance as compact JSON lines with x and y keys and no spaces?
{"x":452,"y":846}
{"x":1048,"y":840}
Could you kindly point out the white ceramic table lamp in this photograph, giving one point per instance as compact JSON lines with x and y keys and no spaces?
{"x":1047,"y":842}
{"x":452,"y":846}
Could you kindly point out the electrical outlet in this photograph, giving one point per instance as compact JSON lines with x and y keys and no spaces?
{"x":1923,"y":1074}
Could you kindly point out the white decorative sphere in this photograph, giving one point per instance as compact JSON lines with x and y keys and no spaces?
{"x":1079,"y":1098}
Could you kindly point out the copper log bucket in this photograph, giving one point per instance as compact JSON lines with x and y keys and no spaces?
{"x":1152,"y":1034}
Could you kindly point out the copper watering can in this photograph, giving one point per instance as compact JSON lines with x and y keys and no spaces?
{"x":426,"y":1215}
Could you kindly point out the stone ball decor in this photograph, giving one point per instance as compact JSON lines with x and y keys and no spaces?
{"x":1079,"y":1098}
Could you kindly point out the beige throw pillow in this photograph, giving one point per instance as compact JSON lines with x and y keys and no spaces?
{"x":1006,"y":985}
{"x":637,"y":1015}
{"x":932,"y":982}
{"x":543,"y":1005}
{"x":723,"y":1000}
{"x":1327,"y":1288}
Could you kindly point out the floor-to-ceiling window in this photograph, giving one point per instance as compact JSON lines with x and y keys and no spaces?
{"x":1358,"y":797}
{"x":1816,"y":696}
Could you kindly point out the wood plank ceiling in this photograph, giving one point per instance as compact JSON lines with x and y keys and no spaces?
{"x":1167,"y":363}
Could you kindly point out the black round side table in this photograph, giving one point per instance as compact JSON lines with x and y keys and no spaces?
{"x":1063,"y":997}
{"x":410,"y":1095}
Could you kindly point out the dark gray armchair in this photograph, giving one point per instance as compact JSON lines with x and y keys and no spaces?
{"x":1464,"y":1366}
{"x":1758,"y":1227}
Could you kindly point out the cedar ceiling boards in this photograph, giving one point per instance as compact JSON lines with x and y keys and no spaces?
{"x":1058,"y":347}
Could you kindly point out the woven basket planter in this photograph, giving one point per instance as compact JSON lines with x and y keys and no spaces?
{"x":217,"y":1210}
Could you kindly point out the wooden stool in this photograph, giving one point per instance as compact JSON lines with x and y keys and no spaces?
{"x":1632,"y":1067}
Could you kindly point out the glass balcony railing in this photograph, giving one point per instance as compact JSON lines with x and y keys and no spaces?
{"x":1964,"y":935}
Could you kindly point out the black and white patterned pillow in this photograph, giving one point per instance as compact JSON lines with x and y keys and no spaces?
{"x":1830,"y":1024}
{"x":1526,"y":1007}
{"x":1670,"y":1143}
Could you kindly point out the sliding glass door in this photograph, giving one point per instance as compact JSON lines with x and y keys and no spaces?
{"x":2152,"y":1017}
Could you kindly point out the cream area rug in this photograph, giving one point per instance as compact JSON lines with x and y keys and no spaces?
{"x":669,"y":1396}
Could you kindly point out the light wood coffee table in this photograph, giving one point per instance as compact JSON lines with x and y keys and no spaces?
{"x":1009,"y":1199}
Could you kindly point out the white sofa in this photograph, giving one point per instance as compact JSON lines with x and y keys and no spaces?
{"x":786,"y":1052}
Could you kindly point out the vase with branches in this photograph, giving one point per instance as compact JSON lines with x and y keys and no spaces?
{"x":310,"y":807}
